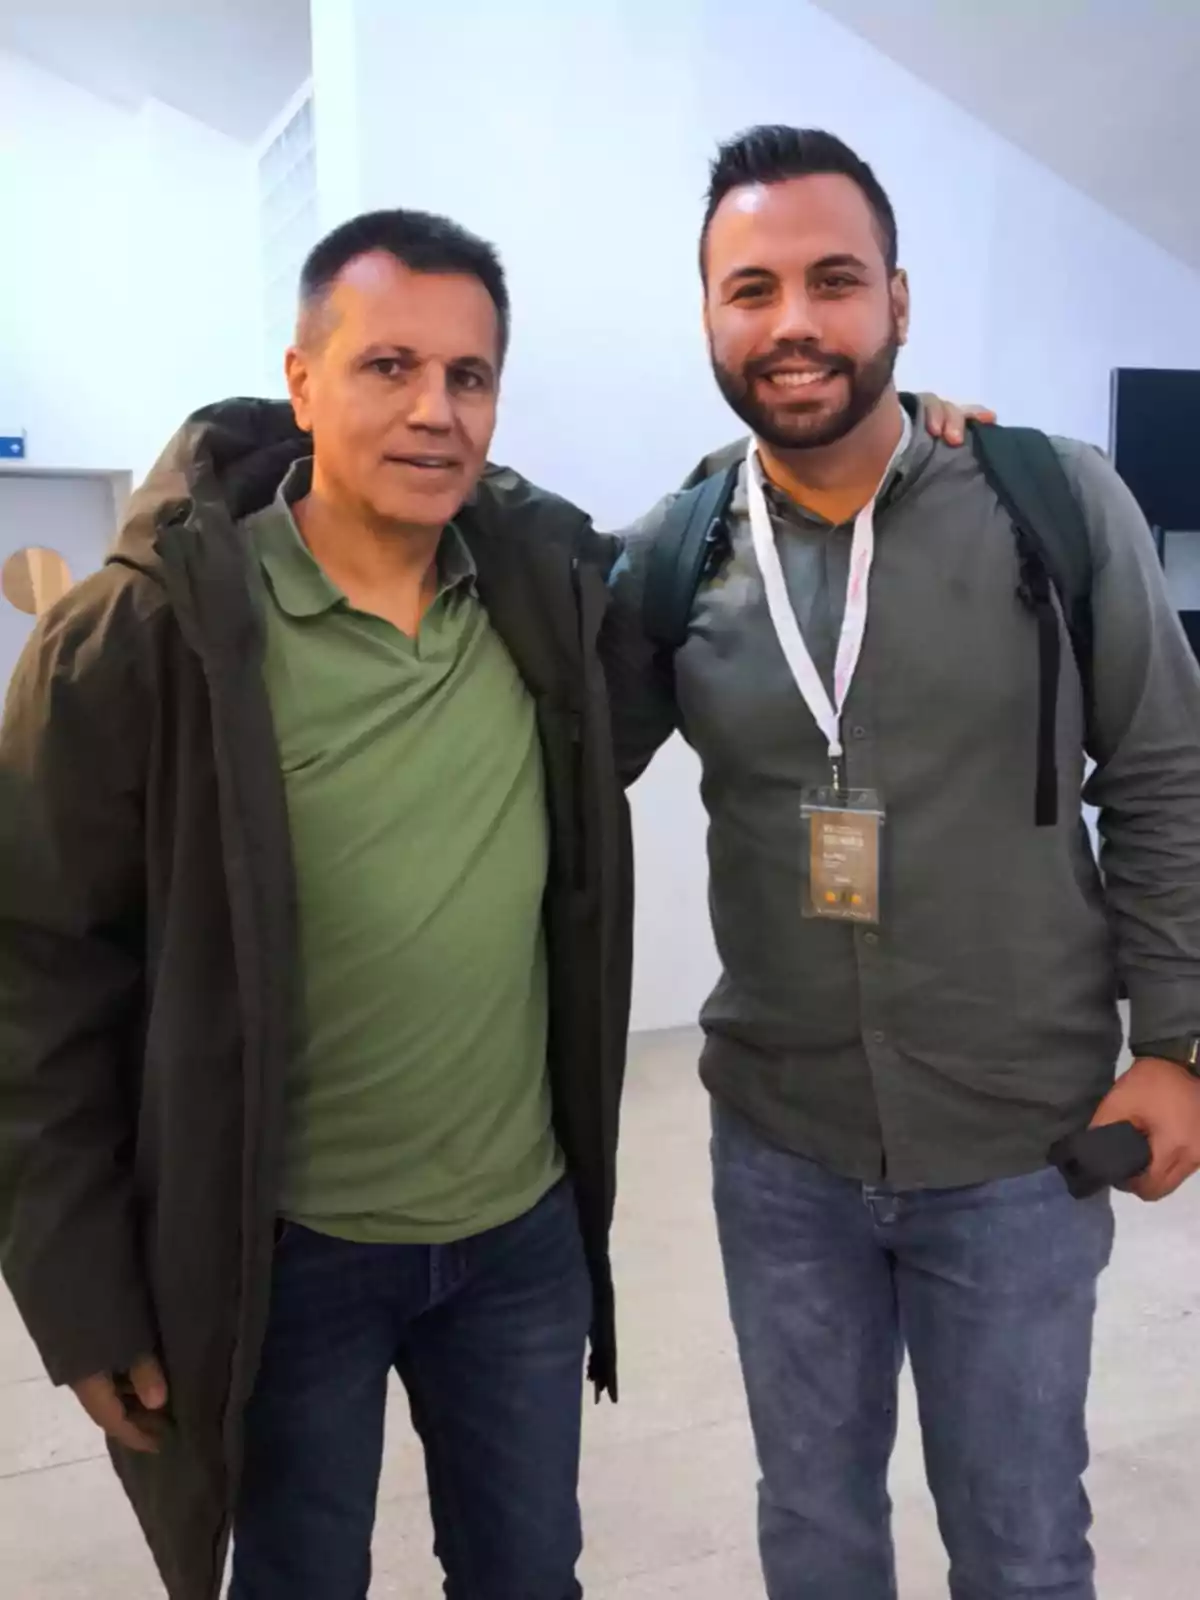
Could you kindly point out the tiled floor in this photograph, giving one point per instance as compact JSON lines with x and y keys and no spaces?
{"x":668,"y":1480}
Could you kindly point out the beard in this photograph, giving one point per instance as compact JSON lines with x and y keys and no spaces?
{"x":800,"y":424}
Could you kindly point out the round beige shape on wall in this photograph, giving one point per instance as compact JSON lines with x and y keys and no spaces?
{"x":33,"y":579}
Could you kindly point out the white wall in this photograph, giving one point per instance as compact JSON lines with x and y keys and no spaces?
{"x":199,"y":315}
{"x":579,"y":140}
{"x":128,"y":271}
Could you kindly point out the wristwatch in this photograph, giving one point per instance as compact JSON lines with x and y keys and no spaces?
{"x":1185,"y":1051}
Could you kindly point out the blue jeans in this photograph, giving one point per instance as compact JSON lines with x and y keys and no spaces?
{"x":489,"y":1338}
{"x":992,"y":1292}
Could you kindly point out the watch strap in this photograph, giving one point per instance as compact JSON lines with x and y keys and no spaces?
{"x":1185,"y":1050}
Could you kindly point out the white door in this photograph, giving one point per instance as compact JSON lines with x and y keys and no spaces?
{"x":46,"y":521}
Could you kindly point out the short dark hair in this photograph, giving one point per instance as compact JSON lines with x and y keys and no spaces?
{"x":774,"y":153}
{"x":420,"y":241}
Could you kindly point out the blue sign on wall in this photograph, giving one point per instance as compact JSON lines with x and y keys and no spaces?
{"x":12,"y":447}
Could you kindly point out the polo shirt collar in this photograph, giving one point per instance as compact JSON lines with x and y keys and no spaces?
{"x":298,"y":581}
{"x":456,"y":564}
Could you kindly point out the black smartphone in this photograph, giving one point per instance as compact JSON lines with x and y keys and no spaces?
{"x":1101,"y":1158}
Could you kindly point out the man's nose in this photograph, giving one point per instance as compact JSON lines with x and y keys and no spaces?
{"x":432,"y":409}
{"x":796,"y":321}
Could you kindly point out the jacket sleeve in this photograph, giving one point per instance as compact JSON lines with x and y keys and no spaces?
{"x":72,"y":763}
{"x":1145,"y":741}
{"x":641,"y":682}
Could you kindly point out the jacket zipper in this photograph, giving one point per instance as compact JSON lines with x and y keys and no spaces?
{"x":578,"y":803}
{"x":578,"y":839}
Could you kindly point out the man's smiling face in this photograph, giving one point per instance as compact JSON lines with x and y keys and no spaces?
{"x":804,"y":319}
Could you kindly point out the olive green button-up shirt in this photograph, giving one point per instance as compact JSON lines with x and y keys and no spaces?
{"x":953,"y":1044}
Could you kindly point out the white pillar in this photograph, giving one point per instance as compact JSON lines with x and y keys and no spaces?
{"x":339,"y":108}
{"x":571,"y":137}
{"x":568,"y":136}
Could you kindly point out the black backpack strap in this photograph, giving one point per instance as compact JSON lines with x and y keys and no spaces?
{"x":685,"y":548}
{"x":1024,"y":471}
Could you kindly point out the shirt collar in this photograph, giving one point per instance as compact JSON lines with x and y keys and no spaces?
{"x":456,"y":564}
{"x":902,"y":460}
{"x":783,"y":505}
{"x":297,"y":579}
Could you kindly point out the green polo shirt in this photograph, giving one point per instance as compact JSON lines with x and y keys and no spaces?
{"x":418,"y":1108}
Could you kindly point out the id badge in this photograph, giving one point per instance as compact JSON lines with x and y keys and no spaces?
{"x":844,"y":837}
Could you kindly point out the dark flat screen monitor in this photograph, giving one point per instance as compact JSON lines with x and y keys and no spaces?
{"x":1191,"y":626}
{"x":1154,"y":442}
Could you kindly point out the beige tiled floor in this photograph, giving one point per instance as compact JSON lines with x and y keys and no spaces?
{"x":668,"y":1480}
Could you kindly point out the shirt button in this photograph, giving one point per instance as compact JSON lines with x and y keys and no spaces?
{"x":878,"y":1036}
{"x":858,"y":732}
{"x":872,"y":938}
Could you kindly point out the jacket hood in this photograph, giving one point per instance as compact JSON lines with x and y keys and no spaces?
{"x":228,"y":461}
{"x":233,"y":454}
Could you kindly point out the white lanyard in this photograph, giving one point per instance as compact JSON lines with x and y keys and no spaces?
{"x":826,"y":713}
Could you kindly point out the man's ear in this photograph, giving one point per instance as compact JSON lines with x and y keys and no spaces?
{"x":705,"y":320}
{"x":900,"y":304}
{"x":297,"y":370}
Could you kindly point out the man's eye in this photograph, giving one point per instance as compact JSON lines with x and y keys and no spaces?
{"x":750,"y":291}
{"x":386,"y":366}
{"x":473,"y":382}
{"x":839,"y":282}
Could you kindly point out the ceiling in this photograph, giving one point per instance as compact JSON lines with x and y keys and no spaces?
{"x":231,"y":63}
{"x":1104,"y":92}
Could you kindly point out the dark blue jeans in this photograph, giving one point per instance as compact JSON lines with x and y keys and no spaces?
{"x":489,"y":1338}
{"x":992,"y":1292}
